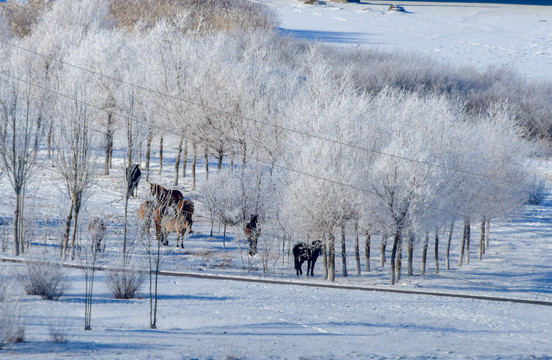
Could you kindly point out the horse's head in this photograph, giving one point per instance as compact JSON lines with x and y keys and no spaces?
{"x":316,"y":247}
{"x":156,"y":190}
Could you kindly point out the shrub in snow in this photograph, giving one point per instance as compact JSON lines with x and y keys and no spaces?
{"x":537,"y":192}
{"x":58,"y":333}
{"x":3,"y":289}
{"x":11,"y":328}
{"x":46,"y":279}
{"x":124,"y":283}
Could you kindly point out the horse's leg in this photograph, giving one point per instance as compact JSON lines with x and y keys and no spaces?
{"x":254,"y":245}
{"x":301,"y":267}
{"x":158,"y":234}
{"x":311,"y":267}
{"x":313,"y":261}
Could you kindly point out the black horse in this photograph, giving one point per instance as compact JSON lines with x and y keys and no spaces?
{"x":306,"y":252}
{"x":252,"y":232}
{"x":133,"y":175}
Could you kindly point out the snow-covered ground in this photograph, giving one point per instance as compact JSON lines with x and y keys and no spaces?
{"x":478,"y":35}
{"x":222,"y":319}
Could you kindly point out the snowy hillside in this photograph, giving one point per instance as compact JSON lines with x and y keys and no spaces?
{"x":478,"y":35}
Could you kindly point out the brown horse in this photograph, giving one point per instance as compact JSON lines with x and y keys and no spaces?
{"x":177,"y":219}
{"x":145,"y":216}
{"x":179,"y":222}
{"x":167,"y":197}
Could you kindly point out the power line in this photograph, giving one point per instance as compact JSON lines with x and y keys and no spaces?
{"x":249,"y":119}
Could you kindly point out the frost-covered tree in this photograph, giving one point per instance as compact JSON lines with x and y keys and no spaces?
{"x":76,"y":158}
{"x":432,"y":168}
{"x":412,"y":173}
{"x":322,"y":194}
{"x":21,"y":133}
{"x":67,"y":27}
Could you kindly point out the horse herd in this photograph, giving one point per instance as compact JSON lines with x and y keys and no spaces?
{"x":170,"y":212}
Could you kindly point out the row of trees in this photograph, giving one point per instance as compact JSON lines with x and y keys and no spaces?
{"x":307,"y":146}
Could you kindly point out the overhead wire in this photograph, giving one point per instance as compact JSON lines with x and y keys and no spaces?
{"x":257,"y":121}
{"x":271,"y":163}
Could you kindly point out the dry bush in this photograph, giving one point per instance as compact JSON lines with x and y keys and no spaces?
{"x":59,"y":333}
{"x":22,"y":15}
{"x":224,"y":263}
{"x":199,"y":15}
{"x":4,"y":287}
{"x":124,"y":283}
{"x":11,"y":327}
{"x":45,"y":279}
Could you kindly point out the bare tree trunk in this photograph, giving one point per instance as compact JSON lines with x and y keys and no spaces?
{"x":108,"y":144}
{"x":410,"y":250}
{"x":148,"y":154}
{"x":220,"y":157}
{"x":75,"y":227}
{"x":65,"y":241}
{"x":436,"y":251}
{"x":357,"y":251}
{"x":21,"y":221}
{"x":16,"y":226}
{"x":177,"y":162}
{"x":206,"y":157}
{"x":194,"y":164}
{"x":153,"y":281}
{"x":325,"y":256}
{"x":367,"y":251}
{"x":244,"y":153}
{"x":224,"y":237}
{"x":394,"y":252}
{"x":343,"y":251}
{"x":382,"y":248}
{"x":465,"y":243}
{"x":331,"y":257}
{"x":462,"y":246}
{"x":50,"y":139}
{"x":398,"y":262}
{"x":468,"y":238}
{"x":125,"y":221}
{"x":424,"y":253}
{"x":447,"y":256}
{"x":482,"y":240}
{"x":185,"y":159}
{"x":487,"y":232}
{"x":284,"y":249}
{"x":160,"y":154}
